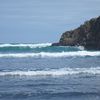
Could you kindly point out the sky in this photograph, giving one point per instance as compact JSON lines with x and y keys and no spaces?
{"x":40,"y":21}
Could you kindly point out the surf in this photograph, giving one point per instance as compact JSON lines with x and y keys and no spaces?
{"x":26,"y":45}
{"x":51,"y":55}
{"x":54,"y":72}
{"x":43,"y":47}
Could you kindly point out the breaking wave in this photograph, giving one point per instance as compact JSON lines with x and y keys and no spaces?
{"x":52,"y":55}
{"x":26,"y":45}
{"x":54,"y":72}
{"x":37,"y":48}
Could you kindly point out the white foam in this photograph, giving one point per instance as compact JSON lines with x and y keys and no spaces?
{"x":26,"y":45}
{"x":80,"y":47}
{"x":49,"y":54}
{"x":54,"y":72}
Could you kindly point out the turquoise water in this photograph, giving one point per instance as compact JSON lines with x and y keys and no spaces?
{"x":43,"y":72}
{"x":36,"y":48}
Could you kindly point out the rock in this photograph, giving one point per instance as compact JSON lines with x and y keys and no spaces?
{"x":87,"y":35}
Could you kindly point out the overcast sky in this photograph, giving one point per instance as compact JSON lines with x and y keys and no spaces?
{"x":26,"y":21}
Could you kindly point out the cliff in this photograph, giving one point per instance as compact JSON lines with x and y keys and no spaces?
{"x":87,"y":35}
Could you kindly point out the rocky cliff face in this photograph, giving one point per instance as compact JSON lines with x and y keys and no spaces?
{"x":87,"y":35}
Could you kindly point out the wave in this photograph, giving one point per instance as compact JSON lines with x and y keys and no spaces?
{"x":26,"y":45}
{"x":52,"y":55}
{"x":54,"y":72}
{"x":37,"y":48}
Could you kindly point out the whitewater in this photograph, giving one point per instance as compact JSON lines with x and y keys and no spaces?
{"x":54,"y":72}
{"x":48,"y":54}
{"x":26,"y":45}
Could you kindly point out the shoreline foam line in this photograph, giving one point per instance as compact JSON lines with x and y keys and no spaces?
{"x":54,"y":72}
{"x":55,"y":55}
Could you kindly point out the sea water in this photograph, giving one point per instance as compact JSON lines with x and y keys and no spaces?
{"x":45,"y":72}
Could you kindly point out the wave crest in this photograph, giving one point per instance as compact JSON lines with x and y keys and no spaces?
{"x":56,"y":54}
{"x":26,"y":45}
{"x":54,"y":72}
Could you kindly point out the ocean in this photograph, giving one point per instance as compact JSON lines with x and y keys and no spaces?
{"x":45,"y":72}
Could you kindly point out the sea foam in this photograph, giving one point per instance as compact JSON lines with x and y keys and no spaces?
{"x":54,"y":72}
{"x":26,"y":45}
{"x":52,"y":55}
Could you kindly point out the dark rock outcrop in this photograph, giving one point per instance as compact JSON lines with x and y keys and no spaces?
{"x":87,"y":35}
